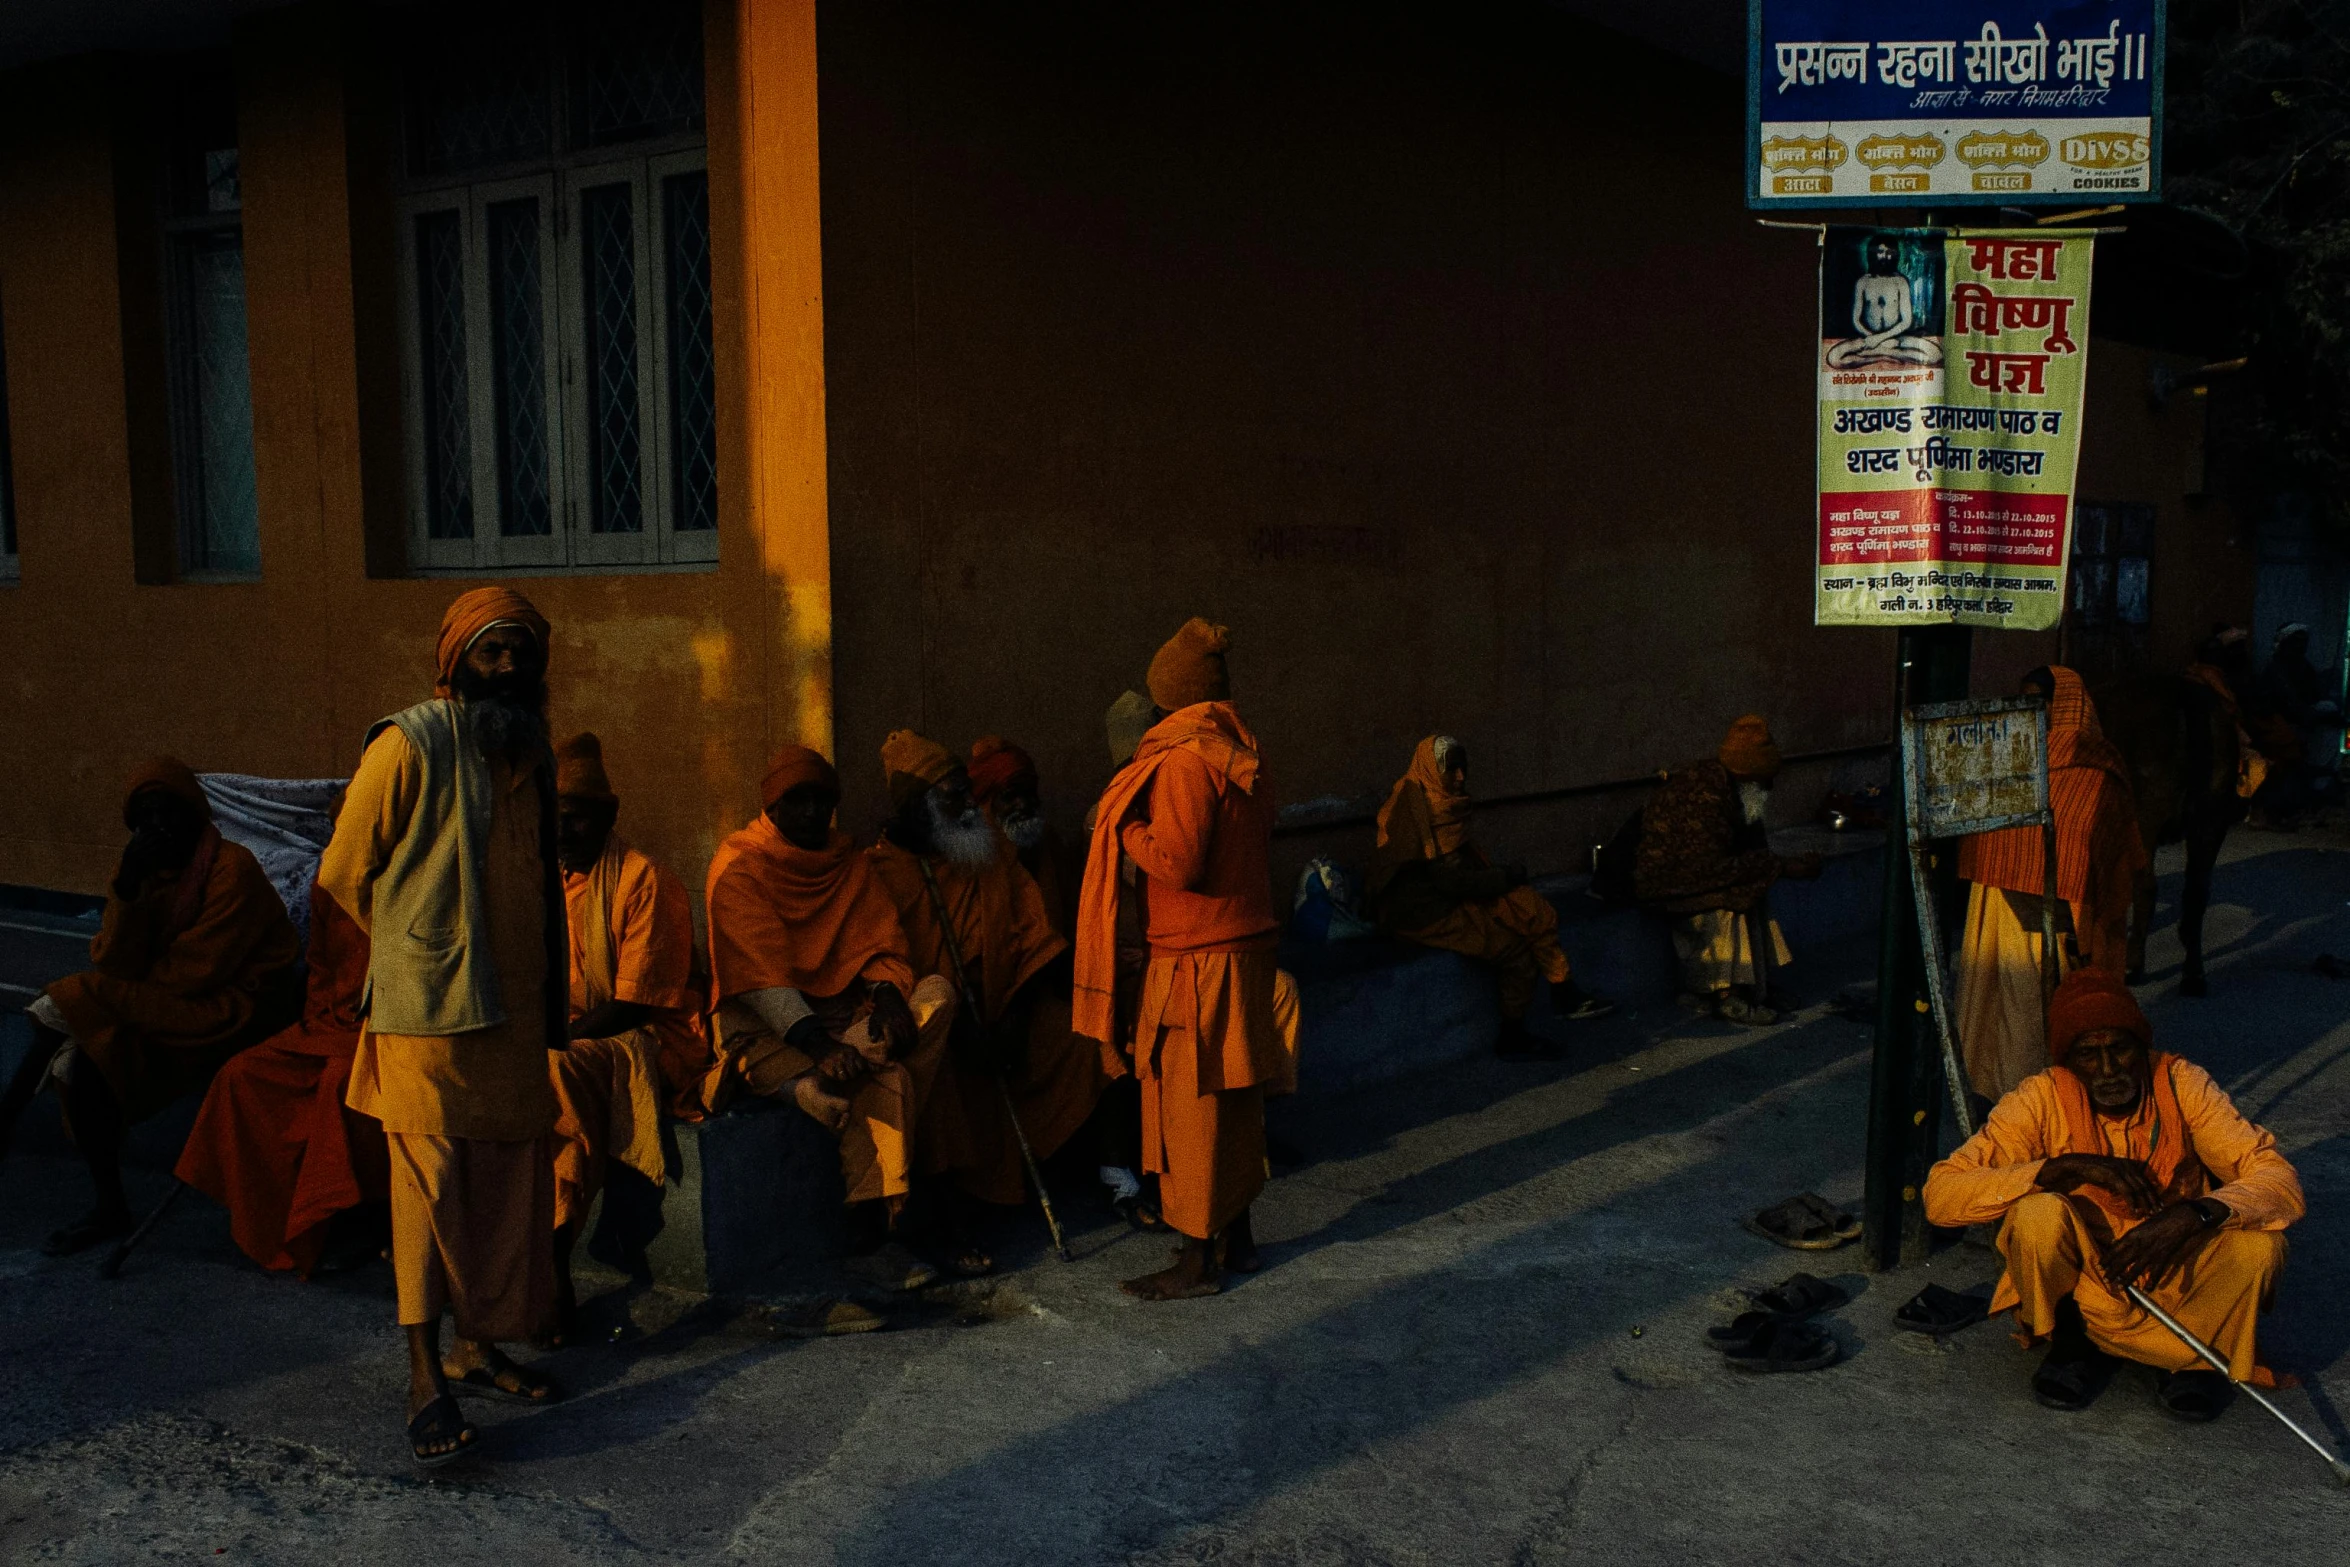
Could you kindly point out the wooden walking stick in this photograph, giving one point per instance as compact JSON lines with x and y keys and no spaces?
{"x":946,"y":931}
{"x":2211,"y":1356}
{"x":122,"y":1248}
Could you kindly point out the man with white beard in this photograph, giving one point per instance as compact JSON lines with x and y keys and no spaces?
{"x":1004,"y":783}
{"x":972,"y":913}
{"x":1705,"y":862}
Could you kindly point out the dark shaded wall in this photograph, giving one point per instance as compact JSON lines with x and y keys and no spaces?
{"x":1434,"y":352}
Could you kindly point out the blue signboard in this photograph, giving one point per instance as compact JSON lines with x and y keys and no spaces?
{"x":1877,"y":103}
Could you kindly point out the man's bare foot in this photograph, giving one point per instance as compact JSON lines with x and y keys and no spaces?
{"x":1194,"y":1275}
{"x":829,"y":1110}
{"x":93,"y":1228}
{"x":487,"y":1369}
{"x":1239,"y":1242}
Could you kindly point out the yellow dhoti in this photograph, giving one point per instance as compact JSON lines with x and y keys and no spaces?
{"x":2217,"y":1296}
{"x":607,"y":1106}
{"x":472,"y":1233}
{"x":1717,"y":949}
{"x":877,"y":1141}
{"x":2002,"y":1013}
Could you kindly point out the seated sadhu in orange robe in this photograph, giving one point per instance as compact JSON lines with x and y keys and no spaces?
{"x":1005,"y":784}
{"x":445,"y":855}
{"x":1430,"y":885}
{"x":974,"y":915}
{"x":1194,"y":812}
{"x":274,"y":1144}
{"x":2099,"y":856}
{"x":2121,"y":1164}
{"x":637,"y":1046}
{"x":195,"y":960}
{"x":817,"y":1000}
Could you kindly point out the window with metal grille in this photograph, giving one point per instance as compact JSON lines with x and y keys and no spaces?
{"x":2113,"y":551}
{"x":209,"y":383}
{"x":555,"y":230}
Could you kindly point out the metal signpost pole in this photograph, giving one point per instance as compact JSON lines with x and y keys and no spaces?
{"x":1905,"y":1076}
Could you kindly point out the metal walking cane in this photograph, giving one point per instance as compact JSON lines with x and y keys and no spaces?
{"x":946,"y":931}
{"x":2211,"y":1357}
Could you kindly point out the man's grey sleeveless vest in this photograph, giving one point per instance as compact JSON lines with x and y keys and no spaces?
{"x":431,"y":971}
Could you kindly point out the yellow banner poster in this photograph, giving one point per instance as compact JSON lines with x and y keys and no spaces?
{"x":1951,"y":369}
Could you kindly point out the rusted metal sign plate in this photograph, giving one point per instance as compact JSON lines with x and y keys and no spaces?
{"x":1974,"y":766}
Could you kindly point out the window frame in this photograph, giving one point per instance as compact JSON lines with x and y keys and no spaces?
{"x":559,"y":178}
{"x":11,"y":561}
{"x":178,"y":234}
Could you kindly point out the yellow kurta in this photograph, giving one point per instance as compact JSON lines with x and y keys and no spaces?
{"x":467,"y":1116}
{"x":2049,"y":1239}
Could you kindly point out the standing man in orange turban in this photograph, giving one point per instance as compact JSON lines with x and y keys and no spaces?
{"x":817,"y":999}
{"x":2098,"y":858}
{"x":2119,"y":1165}
{"x":1429,"y":885}
{"x":1194,"y":813}
{"x":1705,"y":861}
{"x":972,"y":914}
{"x":636,"y":1036}
{"x":444,"y":854}
{"x":193,"y":962}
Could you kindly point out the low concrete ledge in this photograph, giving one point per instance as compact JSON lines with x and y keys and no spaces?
{"x":748,"y":1190}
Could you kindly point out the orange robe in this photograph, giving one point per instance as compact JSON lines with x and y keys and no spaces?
{"x":187,"y":971}
{"x":1432,"y":886}
{"x":2098,"y":850}
{"x":274,"y":1144}
{"x":818,"y":922}
{"x":1194,"y":812}
{"x":1004,"y":935}
{"x":2195,"y":1143}
{"x":467,"y":1117}
{"x":632,"y":939}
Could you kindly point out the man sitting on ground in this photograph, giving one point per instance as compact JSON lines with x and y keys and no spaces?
{"x":274,"y":1144}
{"x":1430,"y":885}
{"x":2123,"y":1165}
{"x":194,"y":960}
{"x":972,"y":914}
{"x":1705,"y":860}
{"x":2098,"y":858}
{"x":636,"y":1039}
{"x":815,"y":992}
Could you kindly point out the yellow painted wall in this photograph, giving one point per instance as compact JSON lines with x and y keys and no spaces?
{"x":692,"y":678}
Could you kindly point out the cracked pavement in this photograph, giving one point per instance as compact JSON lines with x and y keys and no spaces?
{"x":1477,"y":1338}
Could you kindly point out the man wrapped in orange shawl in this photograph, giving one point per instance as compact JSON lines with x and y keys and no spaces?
{"x":2121,"y":1164}
{"x":194,"y":961}
{"x":2098,"y":858}
{"x":816,"y":996}
{"x":1194,"y":812}
{"x":1430,"y":885}
{"x":274,"y":1144}
{"x":636,"y":1031}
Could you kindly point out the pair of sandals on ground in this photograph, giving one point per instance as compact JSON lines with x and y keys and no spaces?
{"x":1739,"y":1005}
{"x":1778,"y":1333}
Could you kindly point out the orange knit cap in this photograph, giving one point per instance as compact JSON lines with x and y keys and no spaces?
{"x":473,"y":614}
{"x":794,"y":766}
{"x":579,"y":770}
{"x":996,"y":765}
{"x":1190,"y":669}
{"x":1748,"y":749}
{"x":913,"y":764}
{"x":2091,"y":999}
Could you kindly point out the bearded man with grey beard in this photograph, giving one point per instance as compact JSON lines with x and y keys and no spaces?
{"x":445,"y":855}
{"x":972,"y":912}
{"x":1705,"y":862}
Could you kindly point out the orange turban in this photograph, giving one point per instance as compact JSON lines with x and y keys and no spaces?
{"x":1190,"y":669}
{"x":913,"y":764}
{"x":173,"y":777}
{"x":996,"y":765}
{"x":794,"y":766}
{"x":579,"y":770}
{"x":2091,"y":999}
{"x":473,"y":614}
{"x":1748,"y":749}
